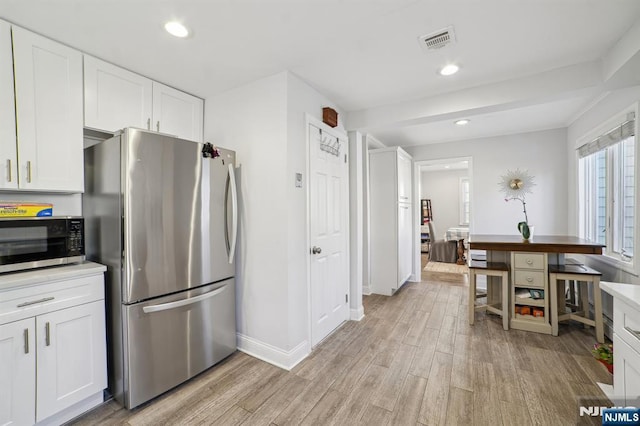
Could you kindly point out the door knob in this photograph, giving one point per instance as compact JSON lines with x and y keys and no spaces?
{"x":316,"y":250}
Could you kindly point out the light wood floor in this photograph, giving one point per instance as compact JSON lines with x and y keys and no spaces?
{"x":414,"y":359}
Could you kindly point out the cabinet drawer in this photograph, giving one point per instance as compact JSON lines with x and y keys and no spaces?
{"x":529,"y":260}
{"x":626,"y":323}
{"x":38,"y":299}
{"x":530,"y":279}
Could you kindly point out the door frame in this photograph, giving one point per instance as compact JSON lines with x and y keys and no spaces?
{"x":309,"y":120}
{"x":417,"y":270}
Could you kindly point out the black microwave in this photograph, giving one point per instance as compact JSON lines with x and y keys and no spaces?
{"x":35,"y":242}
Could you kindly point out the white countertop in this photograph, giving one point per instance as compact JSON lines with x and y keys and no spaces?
{"x":53,"y":273}
{"x":629,"y":293}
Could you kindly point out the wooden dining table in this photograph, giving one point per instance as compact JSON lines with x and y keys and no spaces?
{"x":532,"y":258}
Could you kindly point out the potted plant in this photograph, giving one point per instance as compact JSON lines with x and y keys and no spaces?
{"x":515,"y":185}
{"x":604,"y":354}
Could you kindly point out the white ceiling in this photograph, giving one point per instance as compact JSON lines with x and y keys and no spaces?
{"x":525,"y":65}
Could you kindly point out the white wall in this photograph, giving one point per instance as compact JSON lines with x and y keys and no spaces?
{"x":251,"y":121}
{"x":442,"y":187}
{"x":542,"y":153}
{"x":264,"y":122}
{"x":606,"y":109}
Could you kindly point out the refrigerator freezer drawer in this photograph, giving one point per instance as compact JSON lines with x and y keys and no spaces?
{"x":173,"y":338}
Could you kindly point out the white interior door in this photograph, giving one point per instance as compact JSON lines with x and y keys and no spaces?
{"x":329,"y":232}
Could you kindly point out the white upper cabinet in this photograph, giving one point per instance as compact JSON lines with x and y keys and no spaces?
{"x":404,"y":177}
{"x":115,"y":98}
{"x":177,"y":113}
{"x":8,"y":152}
{"x":48,"y":88}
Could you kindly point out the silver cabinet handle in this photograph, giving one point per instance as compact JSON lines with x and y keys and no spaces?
{"x":9,"y":170}
{"x":33,"y":302}
{"x":183,"y":302}
{"x":149,"y":123}
{"x":316,"y":250}
{"x":47,"y":334}
{"x":28,"y":171}
{"x":529,"y":262}
{"x":158,"y":126}
{"x":26,"y":340}
{"x":404,"y":207}
{"x":633,"y":332}
{"x":529,"y":279}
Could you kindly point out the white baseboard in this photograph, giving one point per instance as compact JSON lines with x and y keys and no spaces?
{"x":357,"y":314}
{"x":366,"y":290}
{"x":271,"y":354}
{"x":74,"y":411}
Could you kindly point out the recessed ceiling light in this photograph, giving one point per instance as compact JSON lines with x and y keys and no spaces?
{"x":447,"y":166}
{"x":449,"y":69}
{"x":462,"y":122}
{"x":176,"y":29}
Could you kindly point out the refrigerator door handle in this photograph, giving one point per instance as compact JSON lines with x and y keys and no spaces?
{"x":234,"y":213}
{"x":183,"y":302}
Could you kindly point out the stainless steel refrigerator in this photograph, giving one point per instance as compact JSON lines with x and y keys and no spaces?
{"x":161,"y":214}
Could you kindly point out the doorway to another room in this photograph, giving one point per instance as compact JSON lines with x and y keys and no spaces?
{"x":445,"y":216}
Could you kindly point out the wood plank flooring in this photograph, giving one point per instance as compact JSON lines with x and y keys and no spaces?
{"x":412,"y":360}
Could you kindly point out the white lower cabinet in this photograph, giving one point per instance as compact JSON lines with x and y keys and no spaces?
{"x":626,"y":346}
{"x":18,"y":373}
{"x":52,"y":349}
{"x":71,"y":357}
{"x":405,"y":234}
{"x":626,"y":371}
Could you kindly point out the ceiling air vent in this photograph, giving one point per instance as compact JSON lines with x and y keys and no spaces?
{"x":437,"y":39}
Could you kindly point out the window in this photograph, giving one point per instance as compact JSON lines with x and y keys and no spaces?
{"x":607,"y":170}
{"x":465,"y":205}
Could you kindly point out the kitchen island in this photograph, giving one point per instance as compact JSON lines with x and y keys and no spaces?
{"x":529,"y":265}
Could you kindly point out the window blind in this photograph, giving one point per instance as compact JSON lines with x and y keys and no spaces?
{"x":612,"y":137}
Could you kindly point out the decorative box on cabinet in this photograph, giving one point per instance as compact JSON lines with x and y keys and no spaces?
{"x":52,"y":344}
{"x":116,"y":98}
{"x":529,"y":272}
{"x":391,"y":219}
{"x":48,"y":98}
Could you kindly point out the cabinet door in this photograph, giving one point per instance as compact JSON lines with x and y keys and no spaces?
{"x":626,"y":371}
{"x":404,"y":178}
{"x":8,"y":152}
{"x":48,"y":82}
{"x":71,"y":357}
{"x":177,"y":113}
{"x":18,"y":373}
{"x":404,"y":242}
{"x":115,"y":98}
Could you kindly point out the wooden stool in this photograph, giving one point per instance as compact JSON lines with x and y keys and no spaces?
{"x":584,"y":276}
{"x":490,"y":269}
